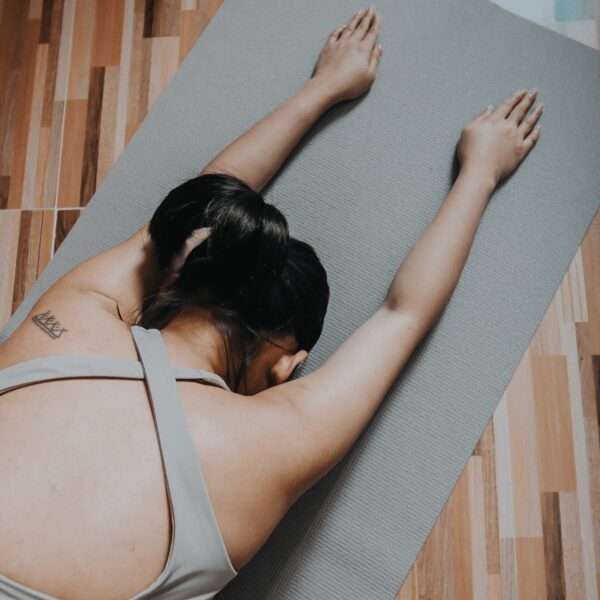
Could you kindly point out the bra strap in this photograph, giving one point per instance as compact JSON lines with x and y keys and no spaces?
{"x":49,"y":368}
{"x":196,"y":537}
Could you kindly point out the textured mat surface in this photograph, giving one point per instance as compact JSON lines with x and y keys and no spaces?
{"x":361,"y":188}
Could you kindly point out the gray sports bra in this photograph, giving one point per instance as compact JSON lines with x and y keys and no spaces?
{"x":198,"y":565}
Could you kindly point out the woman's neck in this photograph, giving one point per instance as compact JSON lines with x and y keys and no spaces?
{"x":194,"y":341}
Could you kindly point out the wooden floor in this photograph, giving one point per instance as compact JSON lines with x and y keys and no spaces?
{"x":524,"y":520}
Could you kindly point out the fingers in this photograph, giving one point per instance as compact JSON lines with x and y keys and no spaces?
{"x":530,"y":141}
{"x":527,"y":125}
{"x":504,"y":109}
{"x":353,"y":24}
{"x":486,"y":112}
{"x":522,"y":107}
{"x":372,"y":34}
{"x":365,"y":24}
{"x":375,"y":57}
{"x":335,"y":35}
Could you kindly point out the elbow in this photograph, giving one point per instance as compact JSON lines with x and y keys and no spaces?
{"x":214,"y":167}
{"x":421,"y":318}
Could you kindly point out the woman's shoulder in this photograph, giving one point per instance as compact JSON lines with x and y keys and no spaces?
{"x":68,"y":322}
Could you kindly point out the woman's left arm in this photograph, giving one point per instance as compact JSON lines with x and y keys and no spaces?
{"x":258,"y":153}
{"x":346,"y":68}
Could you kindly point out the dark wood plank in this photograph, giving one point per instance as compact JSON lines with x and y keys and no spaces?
{"x":46,"y":22}
{"x":553,"y":554}
{"x":65,"y":219}
{"x":13,"y":65}
{"x":92,"y":135}
{"x":4,"y":190}
{"x":54,"y":32}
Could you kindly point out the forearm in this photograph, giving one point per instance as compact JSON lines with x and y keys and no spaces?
{"x":259,"y":152}
{"x":429,"y":273}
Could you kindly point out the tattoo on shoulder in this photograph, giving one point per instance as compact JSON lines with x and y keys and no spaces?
{"x":48,"y":323}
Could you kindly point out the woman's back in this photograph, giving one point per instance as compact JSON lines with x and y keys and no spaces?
{"x":83,"y":504}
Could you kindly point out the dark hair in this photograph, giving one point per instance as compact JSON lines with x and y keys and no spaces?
{"x":259,"y":281}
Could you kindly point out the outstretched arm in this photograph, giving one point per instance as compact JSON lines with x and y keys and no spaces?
{"x":329,"y":407}
{"x":346,"y":68}
{"x":491,"y":146}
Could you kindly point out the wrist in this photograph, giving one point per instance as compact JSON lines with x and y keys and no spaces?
{"x":323,"y":90}
{"x":480,"y":177}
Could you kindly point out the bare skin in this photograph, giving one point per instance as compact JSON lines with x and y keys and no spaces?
{"x":83,"y":494}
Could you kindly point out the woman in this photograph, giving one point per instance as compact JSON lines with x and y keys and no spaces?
{"x":113,"y":486}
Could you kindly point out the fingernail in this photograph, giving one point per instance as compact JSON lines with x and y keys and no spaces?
{"x":533,"y":92}
{"x":541,"y":107}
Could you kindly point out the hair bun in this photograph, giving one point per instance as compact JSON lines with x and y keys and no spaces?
{"x":247,"y":248}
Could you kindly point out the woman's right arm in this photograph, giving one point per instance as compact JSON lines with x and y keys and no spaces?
{"x":329,"y":407}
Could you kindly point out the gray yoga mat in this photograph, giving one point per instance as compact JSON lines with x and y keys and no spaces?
{"x":362,"y":187}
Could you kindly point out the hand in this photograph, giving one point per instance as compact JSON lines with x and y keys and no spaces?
{"x":496,"y":141}
{"x":348,"y":62}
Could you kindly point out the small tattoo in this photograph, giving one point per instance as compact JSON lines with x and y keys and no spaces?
{"x":47,"y":322}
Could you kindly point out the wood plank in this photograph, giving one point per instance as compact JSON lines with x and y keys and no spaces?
{"x":588,"y":478}
{"x":553,"y":552}
{"x":63,"y":64}
{"x":39,"y":195}
{"x":508,"y":569}
{"x":34,"y":147}
{"x":71,"y":163}
{"x":590,"y":392}
{"x":503,"y":468}
{"x":435,"y":566}
{"x":4,"y":190}
{"x":42,"y":9}
{"x":461,"y":540}
{"x":35,"y":9}
{"x":124,"y":70}
{"x":162,"y":18}
{"x":476,"y":508}
{"x":490,"y":512}
{"x":139,"y":75}
{"x":49,"y":187}
{"x":54,"y":25}
{"x":35,"y":229}
{"x":13,"y":61}
{"x":65,"y":219}
{"x":81,"y":50}
{"x":23,"y":111}
{"x":590,"y":257}
{"x":523,"y":450}
{"x":107,"y":33}
{"x":9,"y":241}
{"x":531,"y":568}
{"x":92,"y":135}
{"x":106,"y":143}
{"x":573,"y":562}
{"x":556,"y":462}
